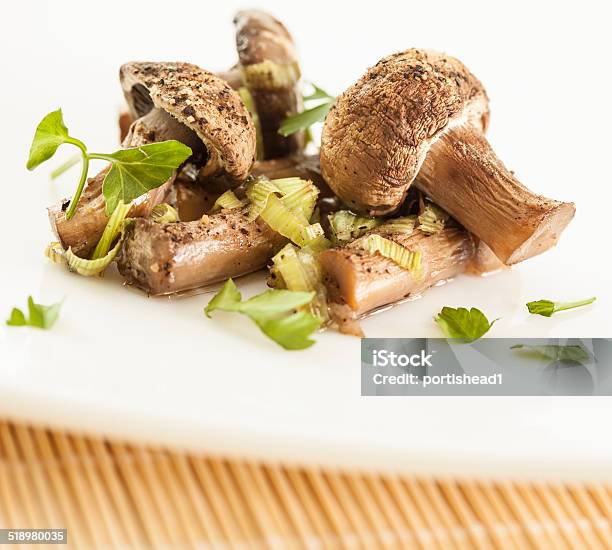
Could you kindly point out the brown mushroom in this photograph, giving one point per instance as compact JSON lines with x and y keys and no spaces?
{"x":204,"y":104}
{"x":365,"y":281}
{"x":168,"y":101}
{"x":421,"y":114}
{"x":174,"y":257}
{"x":271,"y":72}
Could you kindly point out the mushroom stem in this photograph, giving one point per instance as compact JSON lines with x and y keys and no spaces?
{"x":464,"y":176}
{"x":175,"y":257}
{"x":365,"y":281}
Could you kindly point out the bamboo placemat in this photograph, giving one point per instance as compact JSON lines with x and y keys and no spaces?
{"x":112,"y":495}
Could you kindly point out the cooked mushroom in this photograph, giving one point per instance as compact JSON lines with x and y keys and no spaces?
{"x":169,"y":101}
{"x":174,"y":257}
{"x":204,"y":104}
{"x":365,"y":281}
{"x":422,"y":112}
{"x":271,"y":72}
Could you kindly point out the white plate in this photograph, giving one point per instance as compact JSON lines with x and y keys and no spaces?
{"x":121,"y":364}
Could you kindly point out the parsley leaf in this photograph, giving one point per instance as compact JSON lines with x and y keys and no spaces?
{"x":39,"y":316}
{"x":274,"y":313}
{"x":555,"y":352}
{"x":546,"y":307}
{"x":136,"y":171}
{"x":464,"y":324}
{"x":50,"y":133}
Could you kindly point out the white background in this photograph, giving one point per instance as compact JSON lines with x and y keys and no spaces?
{"x":155,"y":369}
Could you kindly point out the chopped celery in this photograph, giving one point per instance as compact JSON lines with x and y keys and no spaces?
{"x":164,"y":213}
{"x":432,"y":219}
{"x":227,"y":201}
{"x":410,"y":260}
{"x":112,"y":230}
{"x":346,"y":226}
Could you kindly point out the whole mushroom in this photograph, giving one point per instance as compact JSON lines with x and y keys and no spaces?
{"x":419,"y":116}
{"x":168,"y":101}
{"x":198,"y":107}
{"x":271,"y":72}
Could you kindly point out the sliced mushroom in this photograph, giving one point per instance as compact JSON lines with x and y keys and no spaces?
{"x":168,"y":101}
{"x":366,"y":281}
{"x":422,"y":112}
{"x":271,"y":72}
{"x":174,"y":257}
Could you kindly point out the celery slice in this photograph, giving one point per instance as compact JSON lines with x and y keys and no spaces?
{"x":271,"y":76}
{"x":258,"y":192}
{"x":227,"y":201}
{"x":407,"y":259}
{"x":112,"y":230}
{"x":164,"y":213}
{"x":432,"y":219}
{"x":249,"y":103}
{"x":346,"y":226}
{"x":89,"y":268}
{"x":399,"y":226}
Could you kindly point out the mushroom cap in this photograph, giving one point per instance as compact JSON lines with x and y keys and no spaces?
{"x":271,"y":71}
{"x":201,"y":101}
{"x":261,"y":37}
{"x":377,"y":134}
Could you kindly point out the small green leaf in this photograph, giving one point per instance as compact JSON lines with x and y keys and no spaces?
{"x":291,"y":332}
{"x":275,"y":302}
{"x":227,"y":299}
{"x":305,"y":119}
{"x":17,"y":318}
{"x":555,"y":352}
{"x":464,"y":324}
{"x":136,"y":171}
{"x":39,"y":316}
{"x":318,"y":93}
{"x":547,"y":307}
{"x":274,"y":313}
{"x":50,"y":133}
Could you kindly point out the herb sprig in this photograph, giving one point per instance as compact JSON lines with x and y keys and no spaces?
{"x":39,"y":316}
{"x":546,"y":308}
{"x":308,"y":117}
{"x":133,"y":171}
{"x":273,"y":311}
{"x":463,"y":324}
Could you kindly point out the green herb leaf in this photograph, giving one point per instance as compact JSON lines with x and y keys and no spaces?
{"x":303,"y":120}
{"x":555,"y":352}
{"x":464,"y":324}
{"x":274,"y":313}
{"x":291,"y":332}
{"x":39,"y":316}
{"x":17,"y":318}
{"x":546,"y":307}
{"x":318,"y":93}
{"x":50,"y":133}
{"x":136,"y":171}
{"x":227,"y":299}
{"x":275,"y":302}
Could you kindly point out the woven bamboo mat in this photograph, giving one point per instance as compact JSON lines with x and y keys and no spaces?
{"x":111,"y":495}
